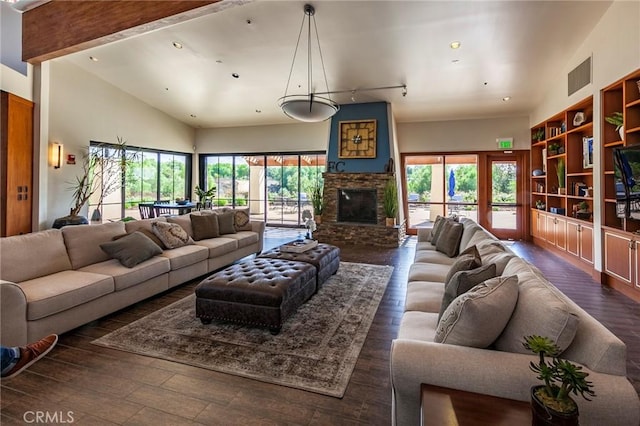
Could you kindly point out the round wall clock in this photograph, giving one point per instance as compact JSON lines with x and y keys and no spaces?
{"x":357,"y":139}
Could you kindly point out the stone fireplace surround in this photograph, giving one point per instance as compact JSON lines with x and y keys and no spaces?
{"x":333,"y":232}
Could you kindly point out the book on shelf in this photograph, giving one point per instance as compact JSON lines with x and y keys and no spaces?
{"x":298,"y":246}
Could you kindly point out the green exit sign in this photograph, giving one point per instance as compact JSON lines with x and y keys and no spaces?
{"x":505,"y":143}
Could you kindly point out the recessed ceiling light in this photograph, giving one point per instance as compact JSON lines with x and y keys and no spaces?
{"x":455,"y":45}
{"x":219,"y":61}
{"x":235,"y":75}
{"x":455,"y":60}
{"x":258,"y":111}
{"x":506,"y":98}
{"x":93,"y":58}
{"x":193,"y":116}
{"x":177,"y":45}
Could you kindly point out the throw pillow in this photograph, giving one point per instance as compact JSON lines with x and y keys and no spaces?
{"x":149,"y":233}
{"x":541,"y":310}
{"x":172,"y":235}
{"x":449,"y":239}
{"x":131,"y":249}
{"x":437,"y":229}
{"x":463,"y":281}
{"x":205,"y":226}
{"x":477,"y":317}
{"x":436,"y":224}
{"x":225,"y":223}
{"x":464,"y":263}
{"x":242,"y":220}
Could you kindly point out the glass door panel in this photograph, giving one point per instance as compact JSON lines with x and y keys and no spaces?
{"x":505,"y":207}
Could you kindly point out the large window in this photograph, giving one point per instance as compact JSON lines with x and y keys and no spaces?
{"x":441,"y":185}
{"x":151,"y":175}
{"x":274,"y":186}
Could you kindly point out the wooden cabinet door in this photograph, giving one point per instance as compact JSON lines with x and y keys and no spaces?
{"x":542,"y":225}
{"x":16,"y":196}
{"x":586,"y":243}
{"x":535,"y":232}
{"x":550,"y":229}
{"x":619,"y":258}
{"x":561,"y":232}
{"x":573,"y":236}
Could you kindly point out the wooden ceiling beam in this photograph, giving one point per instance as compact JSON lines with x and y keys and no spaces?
{"x":61,"y":27}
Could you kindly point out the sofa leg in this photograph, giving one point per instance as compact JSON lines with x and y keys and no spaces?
{"x":274,"y":330}
{"x":205,"y":321}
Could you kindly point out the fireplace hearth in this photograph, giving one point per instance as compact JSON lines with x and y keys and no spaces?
{"x":361,"y":219}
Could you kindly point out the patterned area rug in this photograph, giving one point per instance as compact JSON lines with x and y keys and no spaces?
{"x":316,"y":350}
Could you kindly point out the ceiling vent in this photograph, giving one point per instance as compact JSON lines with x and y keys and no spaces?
{"x":579,"y":77}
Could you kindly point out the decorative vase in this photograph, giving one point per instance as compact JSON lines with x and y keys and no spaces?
{"x":562,"y":191}
{"x":390,"y":221}
{"x":96,"y":216}
{"x":541,"y":415}
{"x":318,"y":219}
{"x":621,"y":132}
{"x":70,"y":220}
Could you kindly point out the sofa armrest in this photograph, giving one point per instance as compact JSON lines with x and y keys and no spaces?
{"x":13,"y":314}
{"x":424,"y":234}
{"x":491,"y":372}
{"x":259,"y":227}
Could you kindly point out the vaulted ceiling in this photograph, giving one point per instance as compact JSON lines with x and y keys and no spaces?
{"x":508,"y":49}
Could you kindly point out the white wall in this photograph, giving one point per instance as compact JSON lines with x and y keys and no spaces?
{"x":14,"y":82}
{"x":82,"y":108}
{"x":273,"y":138}
{"x":463,"y":135}
{"x":614,"y":44}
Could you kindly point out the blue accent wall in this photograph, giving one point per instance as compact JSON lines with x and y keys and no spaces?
{"x":368,"y":111}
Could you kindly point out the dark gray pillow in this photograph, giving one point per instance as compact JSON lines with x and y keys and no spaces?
{"x":225,"y":223}
{"x":131,"y":249}
{"x":463,"y":281}
{"x":465,"y":262}
{"x":437,"y":228}
{"x":449,"y":239}
{"x":205,"y":226}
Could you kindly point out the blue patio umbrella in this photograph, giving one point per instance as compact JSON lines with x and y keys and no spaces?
{"x":452,"y":184}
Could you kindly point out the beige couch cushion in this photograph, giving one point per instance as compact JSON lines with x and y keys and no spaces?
{"x":137,"y":225}
{"x":219,"y":246}
{"x":477,"y":317}
{"x":124,"y":277}
{"x":244,"y":238}
{"x":428,"y":272}
{"x":83,"y":242}
{"x":424,"y":245}
{"x":541,"y":310}
{"x":63,"y":290}
{"x":18,"y":252}
{"x":425,"y":296}
{"x":185,"y":256}
{"x":433,"y":256}
{"x":416,"y":325}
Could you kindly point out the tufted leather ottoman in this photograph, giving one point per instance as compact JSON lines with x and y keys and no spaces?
{"x":260,"y":291}
{"x":325,"y":258}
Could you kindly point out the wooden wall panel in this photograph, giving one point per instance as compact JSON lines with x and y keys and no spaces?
{"x":61,"y":27}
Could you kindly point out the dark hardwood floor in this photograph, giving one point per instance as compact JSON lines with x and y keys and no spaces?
{"x":100,"y":386}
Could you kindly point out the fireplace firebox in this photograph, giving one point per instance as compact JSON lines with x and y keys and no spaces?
{"x":357,"y":205}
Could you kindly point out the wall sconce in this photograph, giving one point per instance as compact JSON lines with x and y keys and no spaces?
{"x":55,"y":155}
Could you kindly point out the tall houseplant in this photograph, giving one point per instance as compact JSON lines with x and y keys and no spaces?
{"x":317,"y":201}
{"x":390,"y":202}
{"x":103,"y":166}
{"x":561,"y":378}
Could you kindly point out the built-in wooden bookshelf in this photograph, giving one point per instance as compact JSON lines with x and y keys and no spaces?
{"x":620,"y":235}
{"x":566,"y":138}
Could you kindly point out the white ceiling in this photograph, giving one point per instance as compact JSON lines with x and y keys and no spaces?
{"x":509,"y":48}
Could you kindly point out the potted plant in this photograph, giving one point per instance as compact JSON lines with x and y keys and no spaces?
{"x":538,"y":135}
{"x":390,"y":202}
{"x":617,"y":119}
{"x":205,"y":197}
{"x":540,"y":205}
{"x":551,"y":403}
{"x":560,"y":172}
{"x":553,"y":149}
{"x":103,"y":166}
{"x":317,"y":201}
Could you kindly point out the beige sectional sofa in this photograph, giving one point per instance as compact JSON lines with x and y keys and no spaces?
{"x":502,"y":368}
{"x":55,"y":280}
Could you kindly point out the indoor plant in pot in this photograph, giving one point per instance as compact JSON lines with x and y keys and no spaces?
{"x":317,"y":202}
{"x":551,"y":403}
{"x":103,"y":166}
{"x":390,"y":202}
{"x":617,"y":119}
{"x":205,"y":197}
{"x":560,"y":169}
